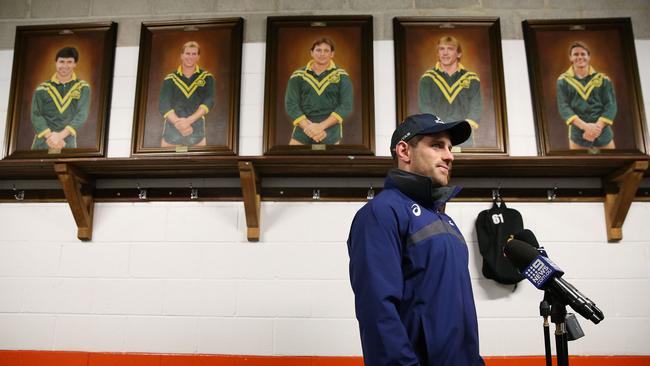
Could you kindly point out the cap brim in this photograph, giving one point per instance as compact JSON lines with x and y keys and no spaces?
{"x":459,"y":131}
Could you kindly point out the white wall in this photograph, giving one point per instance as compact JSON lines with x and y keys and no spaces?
{"x":148,"y":284}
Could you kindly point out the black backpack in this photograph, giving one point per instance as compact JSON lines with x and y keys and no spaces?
{"x":493,"y":228}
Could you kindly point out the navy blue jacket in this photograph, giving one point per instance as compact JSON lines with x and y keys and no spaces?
{"x":408,"y":269}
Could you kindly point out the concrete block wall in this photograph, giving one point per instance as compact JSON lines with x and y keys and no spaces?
{"x":181,"y":278}
{"x":130,"y":13}
{"x":131,"y":290}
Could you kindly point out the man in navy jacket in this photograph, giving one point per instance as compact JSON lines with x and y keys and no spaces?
{"x":408,"y":260}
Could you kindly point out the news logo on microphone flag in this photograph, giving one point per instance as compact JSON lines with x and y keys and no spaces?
{"x":541,"y":270}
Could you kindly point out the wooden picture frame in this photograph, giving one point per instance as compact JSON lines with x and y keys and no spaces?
{"x":340,"y":96}
{"x":60,"y":96}
{"x":608,"y":97}
{"x":472,"y":89}
{"x":196,"y":114}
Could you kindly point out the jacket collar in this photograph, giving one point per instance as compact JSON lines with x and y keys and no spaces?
{"x":420,"y":188}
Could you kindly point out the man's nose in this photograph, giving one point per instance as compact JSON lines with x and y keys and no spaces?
{"x":447,"y":155}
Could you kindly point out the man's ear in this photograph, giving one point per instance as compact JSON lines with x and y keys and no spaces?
{"x":403,"y":152}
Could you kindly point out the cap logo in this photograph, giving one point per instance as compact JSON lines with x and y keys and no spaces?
{"x":405,"y":136}
{"x":438,"y":120}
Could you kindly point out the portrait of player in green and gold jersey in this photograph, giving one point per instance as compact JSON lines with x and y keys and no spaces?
{"x":61,"y":89}
{"x":449,"y":90}
{"x":453,"y":68}
{"x":584,"y":84}
{"x":188,"y":87}
{"x":319,"y":94}
{"x":319,"y":97}
{"x":186,"y":96}
{"x":586,"y":101}
{"x":60,"y":105}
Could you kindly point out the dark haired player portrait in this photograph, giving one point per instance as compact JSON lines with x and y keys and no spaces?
{"x":60,"y":105}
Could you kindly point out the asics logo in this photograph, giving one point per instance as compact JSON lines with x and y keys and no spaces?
{"x":416,"y":209}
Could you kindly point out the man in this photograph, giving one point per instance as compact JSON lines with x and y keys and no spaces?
{"x":586,"y":101}
{"x":186,"y":96}
{"x":450,"y":91}
{"x":60,"y":105}
{"x":408,"y":260}
{"x":318,"y":98}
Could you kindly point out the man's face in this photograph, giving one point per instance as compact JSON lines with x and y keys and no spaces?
{"x":322,"y":54}
{"x":190,"y":57}
{"x":432,"y":157}
{"x":579,"y":57}
{"x":448,"y":54}
{"x":65,"y":67}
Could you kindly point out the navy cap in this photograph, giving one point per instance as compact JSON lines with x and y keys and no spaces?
{"x":427,"y":124}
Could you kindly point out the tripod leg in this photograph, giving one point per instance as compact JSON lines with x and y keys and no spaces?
{"x":561,"y":344}
{"x":545,"y":312}
{"x":547,"y":343}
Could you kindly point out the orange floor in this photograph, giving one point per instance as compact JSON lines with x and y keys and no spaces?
{"x":61,"y":358}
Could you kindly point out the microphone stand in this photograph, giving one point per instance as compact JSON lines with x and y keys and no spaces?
{"x":545,"y":312}
{"x":557,"y":311}
{"x":558,"y":317}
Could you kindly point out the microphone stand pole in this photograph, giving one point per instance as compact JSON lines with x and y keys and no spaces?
{"x":545,"y":312}
{"x":558,"y":317}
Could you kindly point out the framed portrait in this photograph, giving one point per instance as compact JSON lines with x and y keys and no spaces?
{"x":319,"y":88}
{"x":453,"y":68}
{"x":187,"y":98}
{"x":584,"y":82}
{"x":60,"y":94}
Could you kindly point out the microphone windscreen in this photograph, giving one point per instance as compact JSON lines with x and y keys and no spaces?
{"x":520,"y":253}
{"x":527,"y":236}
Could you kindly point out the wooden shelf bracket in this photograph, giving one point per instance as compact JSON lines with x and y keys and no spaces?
{"x":250,"y":188}
{"x":81,"y":203}
{"x":620,"y":188}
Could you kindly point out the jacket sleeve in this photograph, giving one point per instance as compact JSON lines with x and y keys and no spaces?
{"x":377,"y":281}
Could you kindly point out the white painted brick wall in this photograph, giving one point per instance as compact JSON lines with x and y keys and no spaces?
{"x":201,"y":298}
{"x":241,"y":335}
{"x":336,"y":337}
{"x":251,"y":121}
{"x":27,"y":331}
{"x":6,"y":61}
{"x":127,"y":297}
{"x":91,"y":333}
{"x":180,"y":277}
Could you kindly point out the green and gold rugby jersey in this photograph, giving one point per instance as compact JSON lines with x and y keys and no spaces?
{"x":318,"y":96}
{"x":454,"y":97}
{"x":57,"y":105}
{"x":591,"y":98}
{"x":184,"y":96}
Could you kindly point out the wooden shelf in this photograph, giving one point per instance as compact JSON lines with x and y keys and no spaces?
{"x":620,"y":175}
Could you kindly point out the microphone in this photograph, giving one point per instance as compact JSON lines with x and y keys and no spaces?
{"x":546,"y":275}
{"x":527,"y":236}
